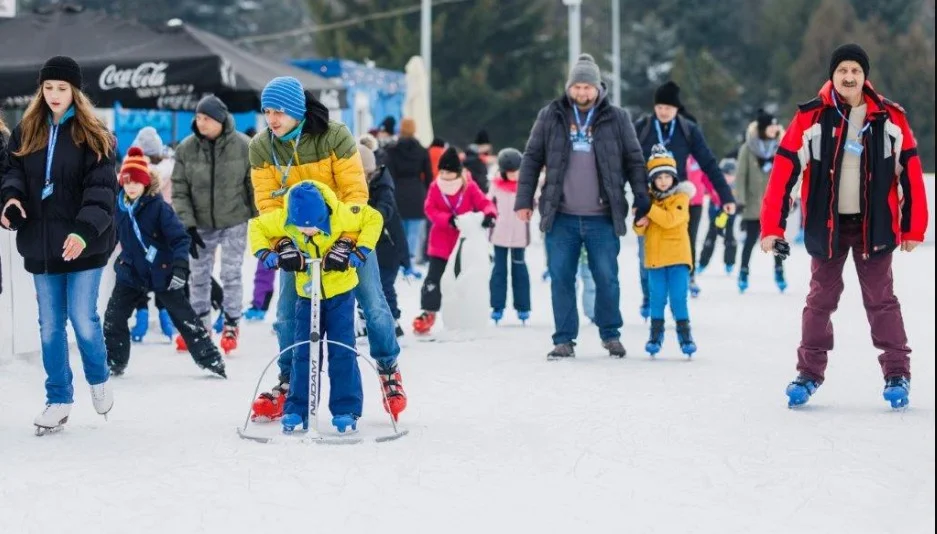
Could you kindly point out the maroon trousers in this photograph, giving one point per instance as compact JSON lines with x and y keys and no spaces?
{"x":878,"y":296}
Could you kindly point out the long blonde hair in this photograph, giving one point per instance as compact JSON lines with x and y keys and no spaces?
{"x":86,"y":128}
{"x":3,"y":127}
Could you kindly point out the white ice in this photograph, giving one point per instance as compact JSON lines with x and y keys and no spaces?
{"x":502,"y":440}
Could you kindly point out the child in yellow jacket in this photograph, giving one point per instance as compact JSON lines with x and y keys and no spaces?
{"x":311,"y":224}
{"x":667,"y":253}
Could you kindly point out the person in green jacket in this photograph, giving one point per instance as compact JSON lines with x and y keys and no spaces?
{"x":213,"y":196}
{"x":756,"y":157}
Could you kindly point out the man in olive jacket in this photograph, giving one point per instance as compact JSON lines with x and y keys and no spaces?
{"x":213,"y":196}
{"x":589,"y":148}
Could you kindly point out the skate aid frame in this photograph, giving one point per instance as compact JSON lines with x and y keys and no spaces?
{"x":315,"y":342}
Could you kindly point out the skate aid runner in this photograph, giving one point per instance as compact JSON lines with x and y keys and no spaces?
{"x":302,"y":143}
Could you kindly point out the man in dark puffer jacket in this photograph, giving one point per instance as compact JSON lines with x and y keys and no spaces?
{"x":589,"y":148}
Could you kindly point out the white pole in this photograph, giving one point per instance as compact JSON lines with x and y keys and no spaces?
{"x":575,"y":33}
{"x":426,"y":45}
{"x":616,"y":52}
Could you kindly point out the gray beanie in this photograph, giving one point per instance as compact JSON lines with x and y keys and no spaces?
{"x":212,"y":106}
{"x":584,"y":70}
{"x":368,"y":161}
{"x":149,"y":141}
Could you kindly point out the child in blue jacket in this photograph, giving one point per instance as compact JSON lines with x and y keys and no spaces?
{"x":154,"y":257}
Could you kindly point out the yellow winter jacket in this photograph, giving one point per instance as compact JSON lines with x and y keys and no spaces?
{"x":345,"y":218}
{"x":666,"y":236}
{"x":330,"y":158}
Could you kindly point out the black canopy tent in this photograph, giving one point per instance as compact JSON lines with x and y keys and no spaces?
{"x":140,"y":66}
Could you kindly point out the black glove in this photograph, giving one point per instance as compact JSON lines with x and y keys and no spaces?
{"x":292,"y":261}
{"x":452,"y":222}
{"x":782,"y":249}
{"x":180,"y":275}
{"x":739,"y":209}
{"x":336,"y":259}
{"x":196,"y":242}
{"x":642,"y":205}
{"x":489,"y":221}
{"x":15,"y":216}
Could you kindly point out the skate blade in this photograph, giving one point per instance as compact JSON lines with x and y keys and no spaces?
{"x":45,"y":430}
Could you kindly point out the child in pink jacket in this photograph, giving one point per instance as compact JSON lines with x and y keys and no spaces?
{"x":510,"y":236}
{"x":449,"y":196}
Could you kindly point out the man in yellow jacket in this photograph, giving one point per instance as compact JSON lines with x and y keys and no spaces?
{"x":301,"y":143}
{"x":312,"y":223}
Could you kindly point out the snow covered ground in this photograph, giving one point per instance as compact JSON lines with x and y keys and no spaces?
{"x":503,"y":441}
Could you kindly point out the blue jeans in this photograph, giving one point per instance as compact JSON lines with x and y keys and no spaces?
{"x":370,"y":295}
{"x":388,"y":278}
{"x":414,"y":229}
{"x":564,"y":244}
{"x":337,"y":323}
{"x":673,"y":281}
{"x":70,"y":297}
{"x":588,"y":290}
{"x":645,"y":284}
{"x":520,"y":279}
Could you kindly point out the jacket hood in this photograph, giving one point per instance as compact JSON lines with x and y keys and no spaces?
{"x":763,"y":149}
{"x":686,"y":187}
{"x":331,"y":200}
{"x":317,"y":116}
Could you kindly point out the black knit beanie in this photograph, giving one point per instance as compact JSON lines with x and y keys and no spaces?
{"x":62,"y":68}
{"x":850,"y":52}
{"x":668,"y":94}
{"x":449,"y":161}
{"x":764,"y":119}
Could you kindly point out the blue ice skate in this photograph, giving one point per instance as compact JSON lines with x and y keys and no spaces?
{"x":779,"y":278}
{"x":743,"y":279}
{"x":645,"y":309}
{"x":729,"y":269}
{"x":523,"y":316}
{"x":656,"y":339}
{"x":687,"y":345}
{"x":800,"y":390}
{"x":497,"y":315}
{"x":219,"y":323}
{"x":292,"y":420}
{"x":694,"y":288}
{"x":138,"y":332}
{"x":896,"y":391}
{"x":343,"y":423}
{"x":253,"y":314}
{"x":165,"y":324}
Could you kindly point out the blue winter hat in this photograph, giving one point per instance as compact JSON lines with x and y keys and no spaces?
{"x":285,"y":94}
{"x":306,"y":208}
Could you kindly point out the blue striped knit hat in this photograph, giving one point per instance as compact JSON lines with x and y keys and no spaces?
{"x":285,"y":94}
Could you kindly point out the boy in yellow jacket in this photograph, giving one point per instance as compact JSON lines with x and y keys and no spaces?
{"x":311,"y":223}
{"x":668,"y":257}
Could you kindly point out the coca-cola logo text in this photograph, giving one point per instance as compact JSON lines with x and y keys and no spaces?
{"x":146,"y":74}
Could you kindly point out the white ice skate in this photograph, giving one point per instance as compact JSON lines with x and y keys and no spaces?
{"x":52,"y":418}
{"x":102,"y":397}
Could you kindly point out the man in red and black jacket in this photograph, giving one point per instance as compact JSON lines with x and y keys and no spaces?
{"x":862,"y":189}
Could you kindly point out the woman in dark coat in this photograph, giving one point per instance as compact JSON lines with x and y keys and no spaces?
{"x":58,"y":191}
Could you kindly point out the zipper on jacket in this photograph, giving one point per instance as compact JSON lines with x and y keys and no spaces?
{"x":212,"y":205}
{"x":867,"y":208}
{"x":835,"y":173}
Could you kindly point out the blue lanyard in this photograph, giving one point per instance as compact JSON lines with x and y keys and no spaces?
{"x":50,"y":151}
{"x":660,"y":134}
{"x":580,"y":126}
{"x":458,"y":202}
{"x":284,"y":175}
{"x":845,"y":118}
{"x":133,"y":220}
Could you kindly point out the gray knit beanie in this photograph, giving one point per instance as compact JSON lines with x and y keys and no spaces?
{"x":584,"y":70}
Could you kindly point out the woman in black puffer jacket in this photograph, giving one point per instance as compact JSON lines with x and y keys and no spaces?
{"x":58,"y":191}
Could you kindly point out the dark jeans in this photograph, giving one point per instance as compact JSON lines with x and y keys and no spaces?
{"x":430,"y":294}
{"x":336,"y":323}
{"x":388,"y":277}
{"x":121,"y":305}
{"x":709,"y":244}
{"x":878,"y":297}
{"x":752,"y":231}
{"x":520,"y":279}
{"x":564,"y":244}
